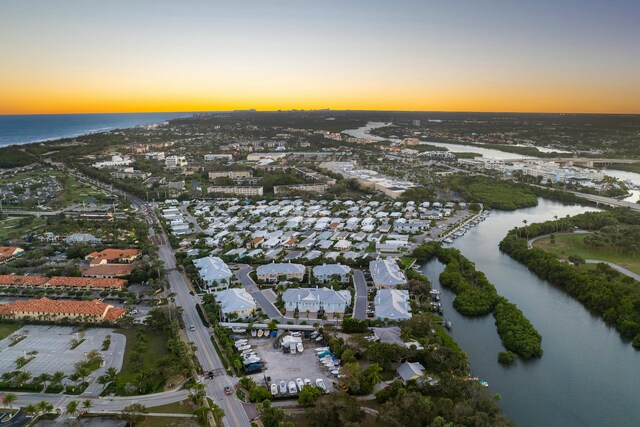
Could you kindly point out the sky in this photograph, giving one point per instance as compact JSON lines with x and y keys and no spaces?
{"x":91,"y":56}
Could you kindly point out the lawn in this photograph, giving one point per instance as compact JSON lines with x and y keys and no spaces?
{"x":183,"y":407}
{"x":168,"y":422}
{"x":11,"y":228}
{"x":407,"y":262}
{"x":7,"y":329}
{"x":573,"y":244}
{"x":76,"y":191}
{"x":156,"y":350}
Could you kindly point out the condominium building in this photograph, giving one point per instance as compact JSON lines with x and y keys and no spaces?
{"x":236,"y":190}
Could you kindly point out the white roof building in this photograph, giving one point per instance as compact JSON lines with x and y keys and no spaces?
{"x":315,"y":299}
{"x":236,"y":301}
{"x":271,"y":272}
{"x":213,"y":271}
{"x":392,"y":304}
{"x":324,"y":273}
{"x":386,"y":273}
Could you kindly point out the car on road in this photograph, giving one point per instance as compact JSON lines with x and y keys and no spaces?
{"x":193,"y":328}
{"x":228,"y":390}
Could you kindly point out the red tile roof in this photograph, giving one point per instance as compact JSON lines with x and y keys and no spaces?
{"x":62,"y":282}
{"x":8,"y":251}
{"x":114,"y":270}
{"x":109,"y":255}
{"x":95,"y":308}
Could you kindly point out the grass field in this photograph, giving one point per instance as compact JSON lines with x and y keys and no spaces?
{"x":573,"y":244}
{"x":7,"y":329}
{"x":407,"y":261}
{"x":168,"y":422}
{"x":156,"y":350}
{"x":10,"y":228}
{"x":183,"y":407}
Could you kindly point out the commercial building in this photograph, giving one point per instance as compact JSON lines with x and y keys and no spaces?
{"x":316,"y":299}
{"x":109,"y":256}
{"x":229,"y":174}
{"x":63,"y":282}
{"x":236,"y":190}
{"x":173,"y":162}
{"x":273,"y":272}
{"x":214,"y":272}
{"x":237,"y":303}
{"x":116,"y":160}
{"x":154,"y":155}
{"x":213,"y":157}
{"x":54,"y":310}
{"x":386,"y":273}
{"x":392,"y":304}
{"x":326,"y":272}
{"x":109,"y":271}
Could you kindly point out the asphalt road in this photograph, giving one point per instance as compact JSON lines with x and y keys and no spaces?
{"x":361,"y":302}
{"x":242,"y":273}
{"x":235,"y":414}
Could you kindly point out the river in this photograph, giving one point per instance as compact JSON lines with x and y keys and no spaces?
{"x":587,"y":376}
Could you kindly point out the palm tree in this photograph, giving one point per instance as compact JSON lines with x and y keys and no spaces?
{"x":555,"y":217}
{"x":9,"y":399}
{"x":83,"y":373}
{"x":57,"y":377}
{"x":72,"y":408}
{"x":373,"y":373}
{"x":30,"y":409}
{"x":87,"y":404}
{"x":524,"y":221}
{"x":44,"y":407}
{"x":43,"y":378}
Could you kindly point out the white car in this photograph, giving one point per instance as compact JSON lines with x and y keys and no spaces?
{"x":292,"y":387}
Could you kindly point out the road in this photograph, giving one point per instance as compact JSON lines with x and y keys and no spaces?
{"x":242,"y":273}
{"x":608,"y":201}
{"x":361,"y":303}
{"x":235,"y":414}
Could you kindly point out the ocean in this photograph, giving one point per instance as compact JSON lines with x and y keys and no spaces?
{"x":23,"y":129}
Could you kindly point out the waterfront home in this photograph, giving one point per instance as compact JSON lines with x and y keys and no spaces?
{"x":315,"y":299}
{"x":386,"y":273}
{"x":392,"y":304}
{"x":214,"y":272}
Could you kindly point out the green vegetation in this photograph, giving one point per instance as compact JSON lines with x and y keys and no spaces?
{"x":10,"y":157}
{"x":418,"y":195}
{"x":626,"y":167}
{"x":476,"y":296}
{"x":602,"y":245}
{"x":13,"y":227}
{"x":612,"y":295}
{"x":515,"y":330}
{"x":7,"y":329}
{"x":507,"y":357}
{"x":492,"y":192}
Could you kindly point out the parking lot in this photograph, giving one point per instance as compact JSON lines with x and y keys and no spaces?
{"x":282,"y":366}
{"x":53,"y":344}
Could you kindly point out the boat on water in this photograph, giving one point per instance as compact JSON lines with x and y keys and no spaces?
{"x":260,"y":333}
{"x":448,"y":324}
{"x":484,"y":383}
{"x":434,"y":294}
{"x":254,"y":333}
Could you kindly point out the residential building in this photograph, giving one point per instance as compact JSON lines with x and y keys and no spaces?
{"x":326,"y":272}
{"x":53,"y":310}
{"x":410,"y":371}
{"x":386,"y":273}
{"x":154,"y":155}
{"x":392,"y":304}
{"x":273,"y":272}
{"x":173,"y":162}
{"x":229,"y":174}
{"x":236,"y":190}
{"x":8,"y":253}
{"x":236,"y":303}
{"x":214,"y":272}
{"x":410,"y":141}
{"x":316,"y":299}
{"x":82,"y":238}
{"x":294,"y":188}
{"x":116,"y":160}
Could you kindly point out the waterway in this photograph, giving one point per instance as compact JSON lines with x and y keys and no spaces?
{"x":588,"y":376}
